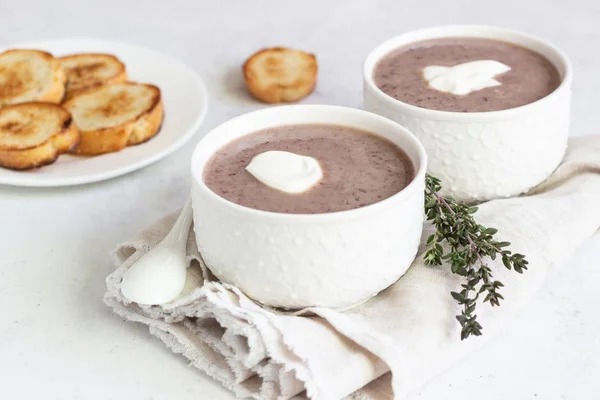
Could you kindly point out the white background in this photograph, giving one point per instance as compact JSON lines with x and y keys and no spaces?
{"x":59,"y":341}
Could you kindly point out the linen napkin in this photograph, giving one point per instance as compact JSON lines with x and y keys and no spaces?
{"x":409,"y":329}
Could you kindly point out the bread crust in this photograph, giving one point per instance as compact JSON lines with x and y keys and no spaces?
{"x":271,"y":79}
{"x":55,"y":92}
{"x":64,"y":140}
{"x":148,"y":125}
{"x":141,"y":128}
{"x":105,"y":140}
{"x":74,"y":90}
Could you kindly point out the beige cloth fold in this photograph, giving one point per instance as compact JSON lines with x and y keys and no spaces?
{"x":409,"y":329}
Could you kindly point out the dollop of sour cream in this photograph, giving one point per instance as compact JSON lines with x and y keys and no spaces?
{"x":464,"y":78}
{"x":285,"y":171}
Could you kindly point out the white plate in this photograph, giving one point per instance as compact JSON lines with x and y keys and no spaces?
{"x":185,"y":101}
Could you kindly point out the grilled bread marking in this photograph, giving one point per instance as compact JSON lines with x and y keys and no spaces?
{"x":116,"y":115}
{"x":89,"y":70}
{"x":35,"y":134}
{"x":280,"y":74}
{"x":30,"y":75}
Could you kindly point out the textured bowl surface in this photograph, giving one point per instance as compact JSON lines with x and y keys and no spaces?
{"x":293,"y":261}
{"x":481,"y":156}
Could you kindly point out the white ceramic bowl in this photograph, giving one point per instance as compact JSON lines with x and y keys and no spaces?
{"x":485,"y":155}
{"x":291,"y":260}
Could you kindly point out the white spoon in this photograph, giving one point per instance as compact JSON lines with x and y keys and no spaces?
{"x":158,"y":277}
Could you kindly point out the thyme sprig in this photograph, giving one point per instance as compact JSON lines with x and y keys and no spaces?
{"x":470,"y":246}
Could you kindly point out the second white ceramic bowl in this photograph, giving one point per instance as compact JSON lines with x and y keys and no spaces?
{"x":293,"y":261}
{"x":485,"y":155}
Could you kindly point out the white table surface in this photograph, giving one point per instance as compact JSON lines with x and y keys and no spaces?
{"x":59,"y":341}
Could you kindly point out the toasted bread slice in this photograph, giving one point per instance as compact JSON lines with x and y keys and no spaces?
{"x":35,"y":134}
{"x":113,"y":116}
{"x":30,"y":75}
{"x":279,"y":74}
{"x":89,"y":70}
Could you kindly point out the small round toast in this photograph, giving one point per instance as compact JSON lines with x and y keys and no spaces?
{"x":113,"y":116}
{"x":30,"y":75}
{"x":35,"y":134}
{"x":279,"y":74}
{"x":88,"y":70}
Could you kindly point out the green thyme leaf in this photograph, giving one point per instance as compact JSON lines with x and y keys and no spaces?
{"x":469,"y":245}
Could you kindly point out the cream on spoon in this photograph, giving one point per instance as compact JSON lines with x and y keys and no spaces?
{"x":158,"y":277}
